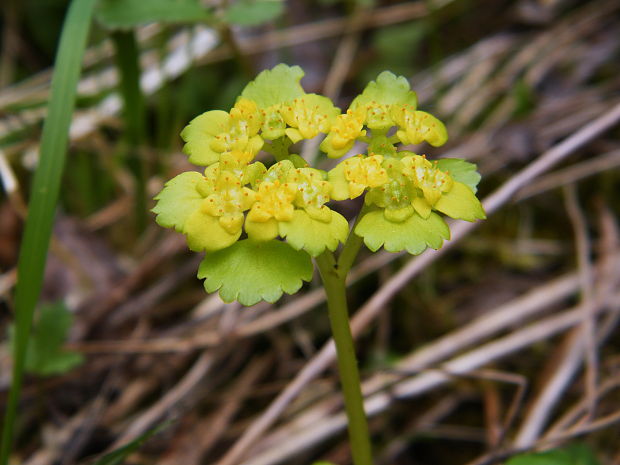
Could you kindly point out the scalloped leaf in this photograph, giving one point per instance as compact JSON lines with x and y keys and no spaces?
{"x":388,"y":89}
{"x":460,"y":203}
{"x":275,"y":86}
{"x":414,"y":234}
{"x":126,"y":14}
{"x":254,"y":12}
{"x":250,"y":271}
{"x":205,"y":233}
{"x":45,"y":355}
{"x":199,"y":133}
{"x":314,"y":236}
{"x":178,"y":200}
{"x":461,"y":170}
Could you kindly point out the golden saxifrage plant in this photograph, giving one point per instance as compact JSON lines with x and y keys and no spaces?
{"x":260,"y":226}
{"x":288,"y":200}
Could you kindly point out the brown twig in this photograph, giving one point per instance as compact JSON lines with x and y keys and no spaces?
{"x":586,"y":278}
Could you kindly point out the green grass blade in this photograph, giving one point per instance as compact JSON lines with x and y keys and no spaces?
{"x":44,"y":195}
{"x":116,"y":457}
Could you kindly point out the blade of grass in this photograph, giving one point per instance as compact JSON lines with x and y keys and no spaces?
{"x":117,"y":456}
{"x":128,"y":63}
{"x":44,"y":195}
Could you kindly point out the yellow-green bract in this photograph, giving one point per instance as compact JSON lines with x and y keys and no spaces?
{"x":284,"y":209}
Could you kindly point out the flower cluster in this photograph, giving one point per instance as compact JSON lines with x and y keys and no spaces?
{"x":237,"y":195}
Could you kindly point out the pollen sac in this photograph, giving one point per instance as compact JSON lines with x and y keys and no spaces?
{"x":217,"y":220}
{"x":418,"y":126}
{"x":394,"y":197}
{"x":425,"y":176}
{"x":228,"y":201}
{"x":352,"y":176}
{"x":236,"y":160}
{"x":379,"y":96}
{"x":308,"y":115}
{"x":215,"y":132}
{"x":245,"y":117}
{"x":242,"y":132}
{"x":312,"y":189}
{"x":273,"y":200}
{"x":378,"y":115}
{"x":345,"y":130}
{"x":274,"y":126}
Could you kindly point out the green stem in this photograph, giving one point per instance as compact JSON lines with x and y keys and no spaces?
{"x":128,"y":63}
{"x":335,"y":288}
{"x":227,"y":36}
{"x":245,"y":66}
{"x":351,"y":247}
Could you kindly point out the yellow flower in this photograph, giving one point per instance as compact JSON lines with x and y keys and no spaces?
{"x":242,"y":132}
{"x":352,"y":176}
{"x":228,"y":202}
{"x":273,"y":200}
{"x":345,"y":130}
{"x":418,"y":126}
{"x":394,"y":196}
{"x":274,"y":203}
{"x":431,"y":181}
{"x":215,"y":132}
{"x":218,"y":220}
{"x":308,"y":115}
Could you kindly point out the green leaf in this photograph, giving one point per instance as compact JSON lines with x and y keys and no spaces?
{"x":254,"y":12}
{"x":461,"y":171}
{"x":206,"y":233}
{"x":125,"y":14}
{"x":378,"y":95}
{"x":386,"y":90}
{"x":117,"y":456}
{"x":178,"y":200}
{"x":250,"y":271}
{"x":44,"y":196}
{"x":574,"y":454}
{"x":45,"y":355}
{"x":414,"y":234}
{"x":199,"y":134}
{"x":460,"y":203}
{"x":275,"y":86}
{"x":314,"y":236}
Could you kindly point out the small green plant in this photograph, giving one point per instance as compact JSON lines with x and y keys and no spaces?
{"x":45,"y":355}
{"x":261,"y":226}
{"x":573,"y":454}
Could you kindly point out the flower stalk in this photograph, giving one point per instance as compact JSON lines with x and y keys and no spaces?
{"x":334,"y":281}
